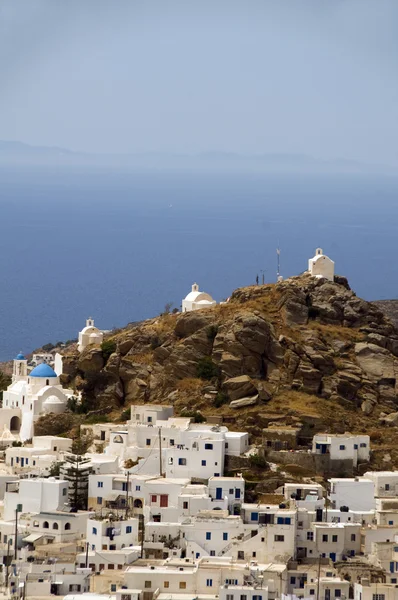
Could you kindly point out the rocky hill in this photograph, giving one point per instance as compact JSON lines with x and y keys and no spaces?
{"x":301,"y":350}
{"x":389,"y":308}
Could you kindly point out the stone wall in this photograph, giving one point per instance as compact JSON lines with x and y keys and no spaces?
{"x":318,"y":463}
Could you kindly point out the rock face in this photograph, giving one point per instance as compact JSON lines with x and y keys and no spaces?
{"x":305,"y":334}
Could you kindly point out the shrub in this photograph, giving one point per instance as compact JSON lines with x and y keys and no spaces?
{"x":94,"y":419}
{"x":206,"y":369}
{"x":221,"y":399}
{"x":125,"y":416}
{"x":212,"y":331}
{"x":258,"y":461}
{"x":108,"y":347}
{"x":196,"y":416}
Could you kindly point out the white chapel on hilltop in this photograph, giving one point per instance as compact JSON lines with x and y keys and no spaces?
{"x":196,"y":300}
{"x":89,"y":335}
{"x":31,"y":395}
{"x":321,"y":265}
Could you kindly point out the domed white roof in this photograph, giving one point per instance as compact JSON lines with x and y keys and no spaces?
{"x":53,"y":400}
{"x":196,"y":296}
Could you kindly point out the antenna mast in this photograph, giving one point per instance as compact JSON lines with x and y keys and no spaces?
{"x":278,"y":264}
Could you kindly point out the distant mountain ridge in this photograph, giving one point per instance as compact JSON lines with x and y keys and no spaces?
{"x":15,"y":153}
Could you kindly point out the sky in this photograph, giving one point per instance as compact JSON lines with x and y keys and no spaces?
{"x":318,"y":77}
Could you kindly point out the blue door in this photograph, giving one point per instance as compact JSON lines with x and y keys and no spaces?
{"x":218,"y":493}
{"x":332,"y":556}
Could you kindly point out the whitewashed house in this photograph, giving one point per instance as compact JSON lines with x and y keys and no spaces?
{"x":343,"y":447}
{"x":111,"y":533}
{"x":321,"y":265}
{"x":355,"y":493}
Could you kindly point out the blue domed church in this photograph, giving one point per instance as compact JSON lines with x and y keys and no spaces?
{"x":31,"y":395}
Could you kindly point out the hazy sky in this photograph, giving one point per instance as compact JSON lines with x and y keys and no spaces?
{"x":311,"y":76}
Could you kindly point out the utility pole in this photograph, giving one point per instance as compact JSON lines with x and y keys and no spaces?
{"x":87,"y":545}
{"x":319,"y":576}
{"x":8,"y":561}
{"x":142,"y":534}
{"x":127,"y":494}
{"x":263,"y":275}
{"x":16,"y":534}
{"x":160,"y":453}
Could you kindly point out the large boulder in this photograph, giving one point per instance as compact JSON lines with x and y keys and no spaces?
{"x":190,"y":322}
{"x":244,"y":402}
{"x":91,"y":359}
{"x":375,"y":361}
{"x":239,"y":387}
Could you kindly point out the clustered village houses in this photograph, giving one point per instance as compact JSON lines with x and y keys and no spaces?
{"x":167,"y":514}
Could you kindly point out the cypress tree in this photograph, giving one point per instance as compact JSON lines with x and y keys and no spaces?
{"x":76,"y":472}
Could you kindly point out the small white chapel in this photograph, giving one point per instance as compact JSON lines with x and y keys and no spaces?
{"x":89,"y":335}
{"x":196,"y":300}
{"x":31,"y":395}
{"x":321,"y":265}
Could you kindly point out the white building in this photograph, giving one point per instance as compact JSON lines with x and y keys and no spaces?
{"x":34,"y":496}
{"x":343,"y":446}
{"x":196,"y":300}
{"x":321,"y":265}
{"x":31,"y":395}
{"x":89,"y":335}
{"x":356,"y":493}
{"x":39,"y":456}
{"x":111,"y":533}
{"x":386,"y":483}
{"x":42,"y":357}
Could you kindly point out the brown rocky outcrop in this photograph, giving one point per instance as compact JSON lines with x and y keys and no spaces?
{"x":305,"y":334}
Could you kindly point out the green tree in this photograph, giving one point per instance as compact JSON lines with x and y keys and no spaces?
{"x":76,"y":472}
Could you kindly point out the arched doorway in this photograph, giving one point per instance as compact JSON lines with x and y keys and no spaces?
{"x":137,"y":503}
{"x":15,"y":424}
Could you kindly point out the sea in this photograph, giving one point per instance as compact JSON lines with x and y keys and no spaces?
{"x":120,"y":245}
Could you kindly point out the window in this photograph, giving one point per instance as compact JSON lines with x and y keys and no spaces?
{"x":310,"y":536}
{"x":182,"y":585}
{"x":387,"y":487}
{"x":243,"y":597}
{"x":208,"y":535}
{"x":216,"y":474}
{"x":312,"y":592}
{"x":391,"y":522}
{"x":67,"y":527}
{"x":231,"y":492}
{"x":353,"y":537}
{"x":35,"y":523}
{"x":230,"y":597}
{"x":148,"y":442}
{"x":166,"y":584}
{"x":149,"y":419}
{"x":325,"y":537}
{"x":94,"y":531}
{"x":182,"y":461}
{"x":113,"y":587}
{"x":100,"y":484}
{"x":257,"y":598}
{"x":124,"y":486}
{"x":241,"y":555}
{"x":128,"y":529}
{"x":64,"y":491}
{"x":225,"y":537}
{"x":185,"y":505}
{"x":212,"y":552}
{"x":55,"y":525}
{"x":334,"y":538}
{"x":237,"y":493}
{"x":342,"y":447}
{"x":254,"y":554}
{"x":209,"y":583}
{"x":292,"y":580}
{"x":99,"y":500}
{"x":137,"y":488}
{"x":337,"y":593}
{"x":153,"y":499}
{"x":148,"y":584}
{"x":45,"y":525}
{"x":355,"y":446}
{"x":74,"y":587}
{"x":171,"y":442}
{"x":364,"y":446}
{"x":279,"y":538}
{"x":254,"y":516}
{"x":378,"y":597}
{"x":26,"y":461}
{"x":208,"y":446}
